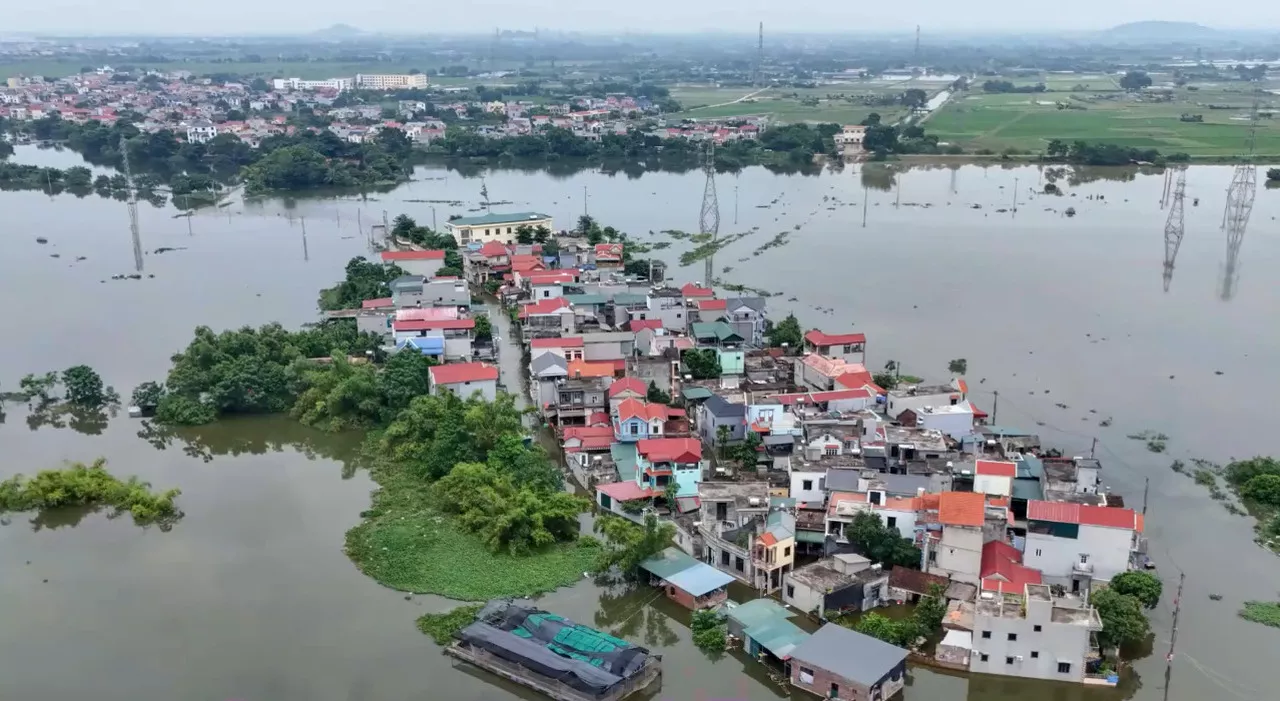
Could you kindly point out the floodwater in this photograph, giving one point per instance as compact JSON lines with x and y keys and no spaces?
{"x":250,"y":596}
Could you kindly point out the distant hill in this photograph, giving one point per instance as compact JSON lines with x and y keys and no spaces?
{"x":338,"y":31}
{"x":1161,"y":31}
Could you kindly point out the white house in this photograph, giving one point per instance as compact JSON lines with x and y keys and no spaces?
{"x":424,"y":263}
{"x":954,"y":420}
{"x":1074,"y":544}
{"x":849,"y":347}
{"x":1031,"y":633}
{"x":898,"y":513}
{"x":465,"y":379}
{"x":916,"y":397}
{"x":201,"y":132}
{"x":958,"y":553}
{"x":807,"y":487}
{"x":994,"y":477}
{"x":850,"y":139}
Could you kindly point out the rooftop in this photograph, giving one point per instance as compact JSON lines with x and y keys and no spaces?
{"x":499,"y":218}
{"x":393,"y":256}
{"x":962,"y":509}
{"x":463,"y":372}
{"x":818,"y":338}
{"x":850,"y":654}
{"x":740,"y":492}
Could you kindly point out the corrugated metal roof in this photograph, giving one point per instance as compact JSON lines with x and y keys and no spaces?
{"x":696,"y":393}
{"x":668,"y":563}
{"x":700,"y":579}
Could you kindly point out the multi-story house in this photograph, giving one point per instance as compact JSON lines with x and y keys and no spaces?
{"x":957,"y":554}
{"x":456,"y":333}
{"x":547,"y":318}
{"x":743,"y":537}
{"x":1034,"y":634}
{"x":644,"y":469}
{"x":849,"y":347}
{"x":501,"y":228}
{"x":578,"y":397}
{"x":746,"y":315}
{"x":917,"y":397}
{"x":1076,"y":544}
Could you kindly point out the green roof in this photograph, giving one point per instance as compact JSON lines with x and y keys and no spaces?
{"x":779,"y":637}
{"x":693,"y":393}
{"x":668,"y":562}
{"x":1030,"y":490}
{"x":810,"y":537}
{"x":512,"y":218}
{"x":718,"y":330}
{"x":585,"y":299}
{"x":630,"y":298}
{"x":758,"y":612}
{"x":624,"y":457}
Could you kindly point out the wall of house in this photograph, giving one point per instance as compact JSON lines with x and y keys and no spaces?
{"x":674,"y":318}
{"x":903,"y":521}
{"x":993,"y":485}
{"x":1055,"y":643}
{"x":709,"y":427}
{"x":718,"y":549}
{"x":856,"y":353}
{"x":818,"y":681}
{"x":814,"y":380}
{"x":801,"y":596}
{"x":608,"y":350}
{"x":960,"y":553}
{"x":546,"y":291}
{"x":488,"y":389}
{"x":458,"y":347}
{"x":954,"y":424}
{"x":446,"y":293}
{"x":1107,"y":548}
{"x":378,"y":324}
{"x":406,"y":299}
{"x":687,"y":480}
{"x":813,"y":493}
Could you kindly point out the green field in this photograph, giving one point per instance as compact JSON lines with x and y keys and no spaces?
{"x":781,"y":104}
{"x":1030,"y":121}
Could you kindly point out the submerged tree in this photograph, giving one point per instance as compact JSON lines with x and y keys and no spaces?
{"x":628,"y":544}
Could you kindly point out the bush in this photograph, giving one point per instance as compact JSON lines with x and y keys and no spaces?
{"x":184,"y":411}
{"x":89,"y":485}
{"x":1143,"y":586}
{"x":443,"y":627}
{"x":709,"y":631}
{"x":1265,"y":612}
{"x":1264,"y":489}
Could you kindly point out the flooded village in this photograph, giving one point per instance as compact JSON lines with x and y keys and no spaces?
{"x":769,"y":460}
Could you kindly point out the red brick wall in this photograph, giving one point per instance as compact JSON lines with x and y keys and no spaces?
{"x":822,"y":681}
{"x":688,"y":601}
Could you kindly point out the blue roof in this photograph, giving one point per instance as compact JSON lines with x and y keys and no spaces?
{"x":757,"y":612}
{"x":513,"y":218}
{"x":1030,"y":467}
{"x":427,"y":345}
{"x":700,"y":579}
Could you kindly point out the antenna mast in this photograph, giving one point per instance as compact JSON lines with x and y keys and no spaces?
{"x":133,"y":206}
{"x":709,"y":220}
{"x":1173,"y":227}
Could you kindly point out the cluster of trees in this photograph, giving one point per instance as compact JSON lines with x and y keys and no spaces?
{"x":786,"y":333}
{"x":251,"y":371}
{"x":883,"y":139}
{"x":924,"y":621}
{"x":1106,"y":154}
{"x":629,"y":544}
{"x":364,"y":280}
{"x":92,"y":486}
{"x":1257,"y":481}
{"x":81,"y":387}
{"x":594,"y":233}
{"x":1273,"y":174}
{"x":1133,"y":81}
{"x":702,"y":363}
{"x":1004,"y":86}
{"x":76,"y":180}
{"x":710,"y":631}
{"x":405,"y":227}
{"x":1121,"y":607}
{"x":880,"y":543}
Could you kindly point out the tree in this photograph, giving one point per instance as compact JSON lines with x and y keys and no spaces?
{"x":484,"y":329}
{"x":749,"y":449}
{"x":541,"y":234}
{"x":959,"y":366}
{"x":1241,"y":472}
{"x":1273,"y":174}
{"x":1057,"y":148}
{"x":1141,"y":585}
{"x":1264,"y":489}
{"x":147,"y":396}
{"x":710,"y":632}
{"x":1123,"y":622}
{"x":786,"y":333}
{"x":885,"y":380}
{"x":1133,"y":81}
{"x":629,"y":544}
{"x":914,"y":98}
{"x":702,"y":363}
{"x":931,"y":609}
{"x":656,"y":395}
{"x":364,"y":280}
{"x":517,"y":520}
{"x":670,"y":493}
{"x":871,"y":120}
{"x":901,"y":632}
{"x":84,"y":387}
{"x":39,"y":386}
{"x":722,"y":439}
{"x":524,"y":234}
{"x":880,"y":543}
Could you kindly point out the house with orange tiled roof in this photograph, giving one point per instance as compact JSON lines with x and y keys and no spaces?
{"x":1076,"y":544}
{"x":957,"y":553}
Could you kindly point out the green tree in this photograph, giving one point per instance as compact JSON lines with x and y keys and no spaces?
{"x":524,"y":234}
{"x":1133,"y":81}
{"x":1273,"y":174}
{"x":880,"y":543}
{"x":959,"y":366}
{"x":147,"y":396}
{"x":84,"y":387}
{"x":542,"y":235}
{"x":656,"y":395}
{"x":786,"y":333}
{"x":710,"y":631}
{"x":628,"y":544}
{"x":364,"y":280}
{"x":749,"y":450}
{"x":39,"y":386}
{"x":895,"y":632}
{"x":1264,"y":489}
{"x":517,"y":520}
{"x":484,"y":329}
{"x":1123,"y":622}
{"x":670,"y":493}
{"x":722,"y":440}
{"x":702,"y":363}
{"x":339,"y":395}
{"x":1141,"y":585}
{"x":1241,"y":472}
{"x":931,"y":610}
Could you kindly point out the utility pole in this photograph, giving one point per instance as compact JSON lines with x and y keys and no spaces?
{"x":709,"y":217}
{"x":433,"y":218}
{"x":189,"y":231}
{"x":1174,"y":228}
{"x":1093,"y":448}
{"x":735,"y":205}
{"x":865,"y":194}
{"x":306,"y":255}
{"x":359,"y":224}
{"x":1015,"y":195}
{"x":760,"y":57}
{"x":995,"y":406}
{"x":584,"y":200}
{"x":898,"y":190}
{"x":1173,"y":636}
{"x":917,"y":54}
{"x":1146,"y":491}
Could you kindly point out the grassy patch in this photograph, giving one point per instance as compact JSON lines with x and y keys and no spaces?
{"x":443,"y":626}
{"x":1265,"y":612}
{"x":406,"y":544}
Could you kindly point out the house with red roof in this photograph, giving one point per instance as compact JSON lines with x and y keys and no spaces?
{"x":850,"y":347}
{"x":567,"y":347}
{"x":693,"y":290}
{"x":416,"y":262}
{"x":465,"y":379}
{"x":823,"y":374}
{"x":1003,"y":571}
{"x":1075,"y":544}
{"x":608,"y":255}
{"x":958,"y":552}
{"x":637,"y":420}
{"x":994,"y":477}
{"x":547,"y":317}
{"x":627,"y":388}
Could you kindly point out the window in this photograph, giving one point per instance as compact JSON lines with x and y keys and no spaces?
{"x":786,"y":552}
{"x":1008,"y":660}
{"x":806,"y":485}
{"x":835,"y":690}
{"x":724,"y":557}
{"x":1084,"y":558}
{"x":791,"y":592}
{"x":986,"y":635}
{"x":892,"y":522}
{"x":982,"y":657}
{"x":1035,"y":654}
{"x":1038,"y":628}
{"x":1038,"y":552}
{"x":831,"y":451}
{"x":1064,"y":668}
{"x":737,"y":563}
{"x":806,"y":675}
{"x":722,"y":514}
{"x":1013,"y":637}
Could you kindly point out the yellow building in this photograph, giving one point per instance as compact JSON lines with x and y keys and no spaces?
{"x":773,"y":554}
{"x":387,"y":81}
{"x":494,"y":227}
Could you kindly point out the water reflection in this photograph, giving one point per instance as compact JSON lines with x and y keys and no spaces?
{"x":258,"y":436}
{"x":89,"y":421}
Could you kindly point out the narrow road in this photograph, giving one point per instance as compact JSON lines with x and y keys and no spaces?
{"x":748,"y":96}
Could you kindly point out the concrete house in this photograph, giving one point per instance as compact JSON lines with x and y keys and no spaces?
{"x":954,"y":420}
{"x":545,"y":371}
{"x":746,"y":316}
{"x":547,"y":318}
{"x":465,"y":379}
{"x":424,"y":263}
{"x":686,"y":581}
{"x":636,"y":420}
{"x":849,"y":347}
{"x":608,"y":345}
{"x":715,"y":412}
{"x":494,"y":227}
{"x":1076,"y":544}
{"x":582,"y":394}
{"x":457,"y":333}
{"x":920,"y":396}
{"x":839,"y":663}
{"x":627,"y":388}
{"x":1034,"y":634}
{"x":660,"y":461}
{"x":958,"y":553}
{"x":844,"y":582}
{"x":406,"y":291}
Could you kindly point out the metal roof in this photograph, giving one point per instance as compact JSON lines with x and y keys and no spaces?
{"x":513,"y":218}
{"x":700,"y":579}
{"x":696,"y":393}
{"x":850,"y":654}
{"x":668,"y":562}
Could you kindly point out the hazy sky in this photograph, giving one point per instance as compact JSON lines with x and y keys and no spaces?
{"x":290,"y":16}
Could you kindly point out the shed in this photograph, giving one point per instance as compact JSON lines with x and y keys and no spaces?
{"x":837,"y":662}
{"x":686,"y":581}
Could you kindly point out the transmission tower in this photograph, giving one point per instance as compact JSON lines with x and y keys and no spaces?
{"x":917,"y":53}
{"x":709,"y":220}
{"x":1235,"y":217}
{"x":133,"y":207}
{"x":1173,"y":228}
{"x":760,"y":58}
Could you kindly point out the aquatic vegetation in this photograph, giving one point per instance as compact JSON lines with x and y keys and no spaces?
{"x":1265,"y":612}
{"x":89,"y":485}
{"x":442,"y":627}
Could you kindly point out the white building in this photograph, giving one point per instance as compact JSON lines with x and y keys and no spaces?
{"x":994,"y":477}
{"x":201,"y":132}
{"x":850,"y":139}
{"x":494,"y":227}
{"x":298,"y":84}
{"x":917,"y":397}
{"x":1033,"y":635}
{"x":465,"y":379}
{"x":807,"y":487}
{"x":424,"y":263}
{"x":388,"y":81}
{"x":1075,"y":544}
{"x":954,"y":420}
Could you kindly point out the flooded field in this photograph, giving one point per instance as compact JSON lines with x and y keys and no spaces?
{"x":250,"y":596}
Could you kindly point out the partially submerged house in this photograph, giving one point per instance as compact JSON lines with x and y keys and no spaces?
{"x":764,"y":626}
{"x":843,"y":582}
{"x":686,"y":581}
{"x":839,"y":663}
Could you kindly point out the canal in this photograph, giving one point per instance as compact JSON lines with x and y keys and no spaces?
{"x":250,"y":596}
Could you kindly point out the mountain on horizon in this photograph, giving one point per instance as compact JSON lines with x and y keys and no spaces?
{"x":1159,"y":30}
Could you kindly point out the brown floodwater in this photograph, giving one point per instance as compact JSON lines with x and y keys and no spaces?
{"x":250,"y":597}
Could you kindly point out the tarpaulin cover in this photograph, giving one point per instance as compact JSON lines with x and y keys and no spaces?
{"x":583,"y":658}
